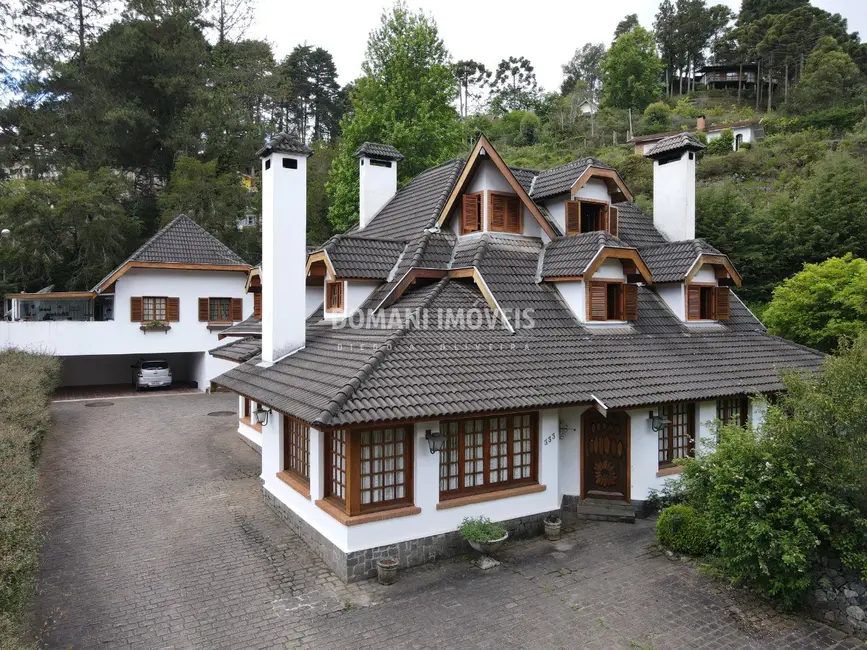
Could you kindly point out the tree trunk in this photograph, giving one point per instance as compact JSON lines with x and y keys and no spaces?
{"x":740,"y":81}
{"x":759,"y":84}
{"x":786,"y":91}
{"x":79,"y":5}
{"x":770,"y":81}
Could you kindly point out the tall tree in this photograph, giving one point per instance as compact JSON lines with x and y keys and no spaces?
{"x":60,"y":30}
{"x":230,"y":19}
{"x":830,"y":78}
{"x":585,"y":65}
{"x":514,"y":87}
{"x":404,"y":98}
{"x":753,"y":10}
{"x":471,"y":75}
{"x":629,"y":23}
{"x":665,"y":27}
{"x":308,"y":96}
{"x":631,"y":71}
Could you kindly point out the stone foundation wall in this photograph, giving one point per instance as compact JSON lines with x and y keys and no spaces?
{"x":252,"y":445}
{"x":641,"y":508}
{"x":360,"y":565}
{"x":839,"y":597}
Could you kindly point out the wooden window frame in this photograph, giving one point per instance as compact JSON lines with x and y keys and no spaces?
{"x":711,"y":310}
{"x":296,"y":449}
{"x":332,"y":286}
{"x":487,"y":486}
{"x":257,"y":304}
{"x":622,"y":300}
{"x":666,"y":410}
{"x":723,"y":409}
{"x":144,"y":309}
{"x":206,"y":308}
{"x":606,"y":216}
{"x":510,"y":197}
{"x":352,"y":477}
{"x":479,"y":197}
{"x":211,"y":305}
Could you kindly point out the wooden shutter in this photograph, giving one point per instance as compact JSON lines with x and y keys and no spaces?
{"x":723,"y":303}
{"x":573,"y":217}
{"x":471,"y":217}
{"x":135,"y":310}
{"x":204,"y":311}
{"x":597,"y":294}
{"x":630,"y":302}
{"x":237,"y":309}
{"x":613,"y":221}
{"x":513,"y":214}
{"x":497,"y":214}
{"x":693,"y":303}
{"x":173,"y":309}
{"x":257,"y":304}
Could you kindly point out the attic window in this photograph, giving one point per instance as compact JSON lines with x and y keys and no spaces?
{"x":590,"y":216}
{"x":334,"y":296}
{"x":290,"y":163}
{"x":708,"y":302}
{"x":380,"y":163}
{"x":504,"y":212}
{"x":471,"y":213}
{"x":612,"y":301}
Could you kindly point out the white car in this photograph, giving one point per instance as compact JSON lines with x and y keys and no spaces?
{"x":151,"y":373}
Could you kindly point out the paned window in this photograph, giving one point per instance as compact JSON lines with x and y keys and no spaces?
{"x":677,"y":439}
{"x":296,"y":448}
{"x":154,"y":309}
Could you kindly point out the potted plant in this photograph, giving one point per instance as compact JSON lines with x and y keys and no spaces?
{"x":155,"y":326}
{"x":552,"y":527}
{"x":386,"y":570}
{"x":483,"y":535}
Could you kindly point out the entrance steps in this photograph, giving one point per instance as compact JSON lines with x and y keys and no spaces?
{"x":605,"y":510}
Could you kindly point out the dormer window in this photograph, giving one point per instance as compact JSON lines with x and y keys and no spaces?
{"x":504,"y":212}
{"x":586,"y":215}
{"x":611,"y":301}
{"x":707,"y":302}
{"x":334,"y":296}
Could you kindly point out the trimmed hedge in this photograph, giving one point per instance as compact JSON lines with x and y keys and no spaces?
{"x":26,"y":384}
{"x":683,"y":530}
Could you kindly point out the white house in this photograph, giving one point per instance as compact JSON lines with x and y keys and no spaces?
{"x":488,"y":341}
{"x":588,"y":107}
{"x":169,"y":300}
{"x":748,"y":131}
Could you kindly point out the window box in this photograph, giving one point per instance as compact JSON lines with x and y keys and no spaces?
{"x":218,"y":327}
{"x":155,"y":326}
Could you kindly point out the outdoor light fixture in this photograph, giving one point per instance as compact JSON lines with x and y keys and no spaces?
{"x":658,"y":423}
{"x":435,"y":440}
{"x":261,"y":416}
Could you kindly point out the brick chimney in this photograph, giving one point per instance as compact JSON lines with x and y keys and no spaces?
{"x":674,"y":185}
{"x":377,"y":173}
{"x":701,"y":123}
{"x":284,"y":245}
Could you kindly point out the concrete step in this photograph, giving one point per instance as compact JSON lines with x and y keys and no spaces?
{"x":602,"y":510}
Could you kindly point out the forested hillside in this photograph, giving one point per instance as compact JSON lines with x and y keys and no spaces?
{"x":118,"y":118}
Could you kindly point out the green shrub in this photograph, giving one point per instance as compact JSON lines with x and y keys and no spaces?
{"x":26,"y":384}
{"x":670,"y":494}
{"x":722,"y":145}
{"x":683,"y":530}
{"x":480,"y":529}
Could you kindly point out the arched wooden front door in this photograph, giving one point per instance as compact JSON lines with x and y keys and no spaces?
{"x":605,"y":449}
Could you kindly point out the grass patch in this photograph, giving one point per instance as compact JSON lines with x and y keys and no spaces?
{"x":26,"y":384}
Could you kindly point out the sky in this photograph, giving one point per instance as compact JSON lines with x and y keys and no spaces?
{"x":545,"y":31}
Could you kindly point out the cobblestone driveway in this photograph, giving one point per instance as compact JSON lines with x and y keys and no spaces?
{"x":158,"y":538}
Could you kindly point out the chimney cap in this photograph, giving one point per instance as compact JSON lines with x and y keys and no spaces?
{"x":284,"y":143}
{"x":376,"y":150}
{"x":675,"y":143}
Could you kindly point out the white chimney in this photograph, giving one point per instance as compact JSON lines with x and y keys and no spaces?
{"x":674,"y":185}
{"x":284,"y":245}
{"x":377,"y":173}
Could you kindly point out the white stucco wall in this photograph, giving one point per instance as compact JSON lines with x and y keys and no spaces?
{"x":377,"y":184}
{"x":674,"y":197}
{"x":355,"y":293}
{"x":313,"y":298}
{"x":594,"y":189}
{"x":556,"y":207}
{"x":121,"y":336}
{"x":673,"y":295}
{"x":574,"y":293}
{"x":746,"y":132}
{"x":705,"y":275}
{"x":610,"y":269}
{"x":570,"y":451}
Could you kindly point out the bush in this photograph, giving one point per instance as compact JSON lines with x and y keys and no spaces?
{"x":683,"y":530}
{"x":480,"y":529}
{"x":26,"y":384}
{"x":656,"y":118}
{"x":722,"y":145}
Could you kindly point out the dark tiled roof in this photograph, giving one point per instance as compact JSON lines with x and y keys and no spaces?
{"x":362,"y":257}
{"x":375,"y":150}
{"x":635,"y":227}
{"x":240,"y":350}
{"x":416,"y":206}
{"x":558,"y":180}
{"x":654,"y":137}
{"x":569,"y":256}
{"x":681,"y":141}
{"x":670,"y":262}
{"x":251,"y":326}
{"x":284,"y":143}
{"x":524,"y":177}
{"x":182,"y":241}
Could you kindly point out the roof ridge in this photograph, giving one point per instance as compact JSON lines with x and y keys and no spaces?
{"x":481,"y":251}
{"x":420,"y":248}
{"x":346,"y":392}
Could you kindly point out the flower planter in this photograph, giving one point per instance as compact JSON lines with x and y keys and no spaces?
{"x":491,"y":546}
{"x":155,"y":328}
{"x":386,"y":570}
{"x":552,"y":529}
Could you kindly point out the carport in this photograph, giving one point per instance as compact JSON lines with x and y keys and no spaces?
{"x":113,"y":370}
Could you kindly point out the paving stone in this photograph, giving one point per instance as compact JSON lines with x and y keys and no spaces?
{"x":158,"y":537}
